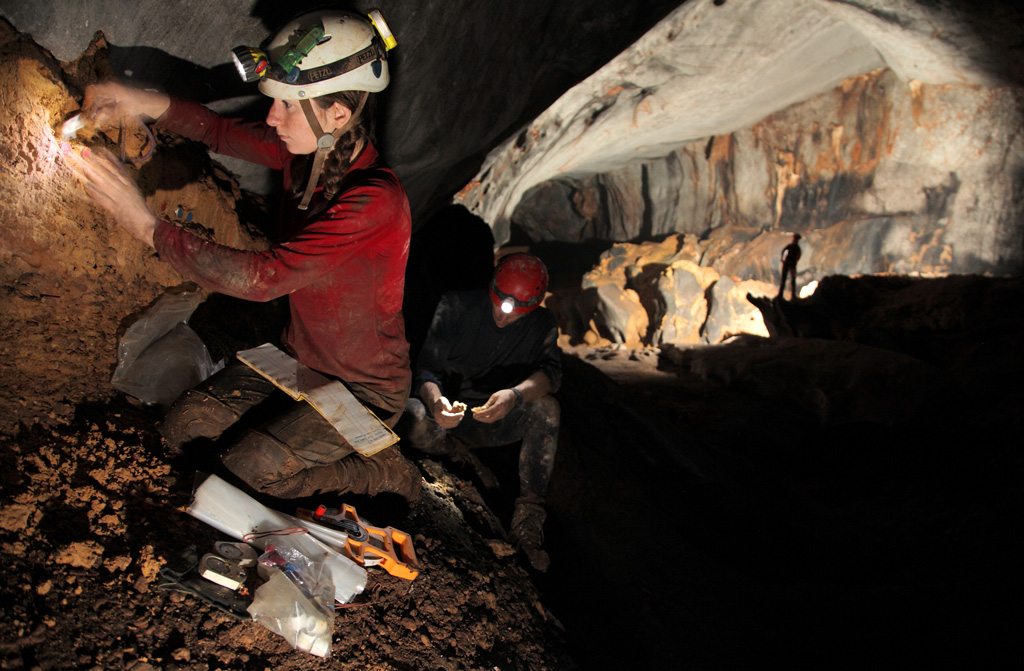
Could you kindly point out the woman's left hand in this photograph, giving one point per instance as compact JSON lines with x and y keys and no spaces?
{"x":109,"y":185}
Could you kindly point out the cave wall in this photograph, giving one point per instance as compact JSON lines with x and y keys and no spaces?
{"x":887,"y":133}
{"x":878,"y":175}
{"x":910,"y":163}
{"x":72,"y":280}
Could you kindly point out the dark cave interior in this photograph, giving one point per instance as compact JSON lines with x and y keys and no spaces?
{"x":845,"y":491}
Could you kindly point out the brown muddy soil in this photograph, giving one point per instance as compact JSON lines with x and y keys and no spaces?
{"x":72,"y":280}
{"x":93,"y":509}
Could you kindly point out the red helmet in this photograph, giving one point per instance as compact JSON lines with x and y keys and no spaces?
{"x":519,"y":283}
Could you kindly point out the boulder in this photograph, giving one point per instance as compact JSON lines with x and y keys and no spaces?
{"x":616,"y":316}
{"x":681,"y":292}
{"x":644,"y":294}
{"x":731,"y":314}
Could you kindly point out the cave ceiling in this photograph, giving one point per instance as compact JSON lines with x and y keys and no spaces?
{"x":717,"y":68}
{"x":468,"y":76}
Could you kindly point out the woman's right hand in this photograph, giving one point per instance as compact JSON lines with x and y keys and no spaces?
{"x":109,"y":101}
{"x":111,"y":188}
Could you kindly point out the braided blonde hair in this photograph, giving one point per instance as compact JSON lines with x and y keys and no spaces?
{"x":338,"y":162}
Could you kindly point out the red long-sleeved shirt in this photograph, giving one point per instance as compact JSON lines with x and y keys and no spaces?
{"x":343,"y":272}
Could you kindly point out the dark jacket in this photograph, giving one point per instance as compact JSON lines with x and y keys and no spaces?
{"x":470,"y":358}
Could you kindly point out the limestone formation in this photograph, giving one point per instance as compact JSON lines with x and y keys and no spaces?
{"x":890,"y":149}
{"x":656,"y":293}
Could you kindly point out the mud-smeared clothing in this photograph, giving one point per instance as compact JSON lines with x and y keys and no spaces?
{"x":343,"y":271}
{"x":294,"y":453}
{"x":535,"y":423}
{"x":469,"y":358}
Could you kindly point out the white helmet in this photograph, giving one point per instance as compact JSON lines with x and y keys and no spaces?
{"x":317,"y":54}
{"x":327,"y":52}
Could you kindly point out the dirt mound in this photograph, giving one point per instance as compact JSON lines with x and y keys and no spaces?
{"x":92,"y":511}
{"x":72,"y":280}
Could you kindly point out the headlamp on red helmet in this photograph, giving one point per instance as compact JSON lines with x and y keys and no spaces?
{"x":519,"y":283}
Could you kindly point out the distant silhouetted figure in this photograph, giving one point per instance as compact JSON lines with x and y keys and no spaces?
{"x":790,"y":256}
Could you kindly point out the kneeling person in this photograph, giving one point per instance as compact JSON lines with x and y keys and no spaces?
{"x":497,"y":357}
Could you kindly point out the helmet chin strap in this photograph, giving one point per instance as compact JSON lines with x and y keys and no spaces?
{"x":325,"y":143}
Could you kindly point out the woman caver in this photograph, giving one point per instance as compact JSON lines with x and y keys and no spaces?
{"x":345,"y":228}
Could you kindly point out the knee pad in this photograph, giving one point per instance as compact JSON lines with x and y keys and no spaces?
{"x":196,"y":414}
{"x":261,"y":460}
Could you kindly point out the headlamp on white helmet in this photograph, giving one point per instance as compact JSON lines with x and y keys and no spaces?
{"x":316,"y":55}
{"x":321,"y":53}
{"x":253,"y":65}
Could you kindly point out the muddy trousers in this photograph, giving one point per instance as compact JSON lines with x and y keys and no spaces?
{"x":535,"y":423}
{"x":292,"y":454}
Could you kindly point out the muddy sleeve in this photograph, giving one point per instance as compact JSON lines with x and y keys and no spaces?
{"x":253,"y":142}
{"x":358,"y":219}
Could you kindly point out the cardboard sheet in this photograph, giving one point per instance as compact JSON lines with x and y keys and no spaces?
{"x":354,"y":421}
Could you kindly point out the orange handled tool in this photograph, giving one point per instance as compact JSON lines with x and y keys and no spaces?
{"x":368,"y":545}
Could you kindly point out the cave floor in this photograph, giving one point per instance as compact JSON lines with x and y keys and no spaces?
{"x":734,"y":529}
{"x":93,"y":509}
{"x":691,"y":524}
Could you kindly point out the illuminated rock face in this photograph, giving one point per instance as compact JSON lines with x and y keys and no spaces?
{"x":656,"y":293}
{"x":877,"y":174}
{"x":888,"y":150}
{"x":71,"y":277}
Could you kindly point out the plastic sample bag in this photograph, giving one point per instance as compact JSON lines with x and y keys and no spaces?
{"x":297,"y":601}
{"x":159,"y":356}
{"x":232,"y":511}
